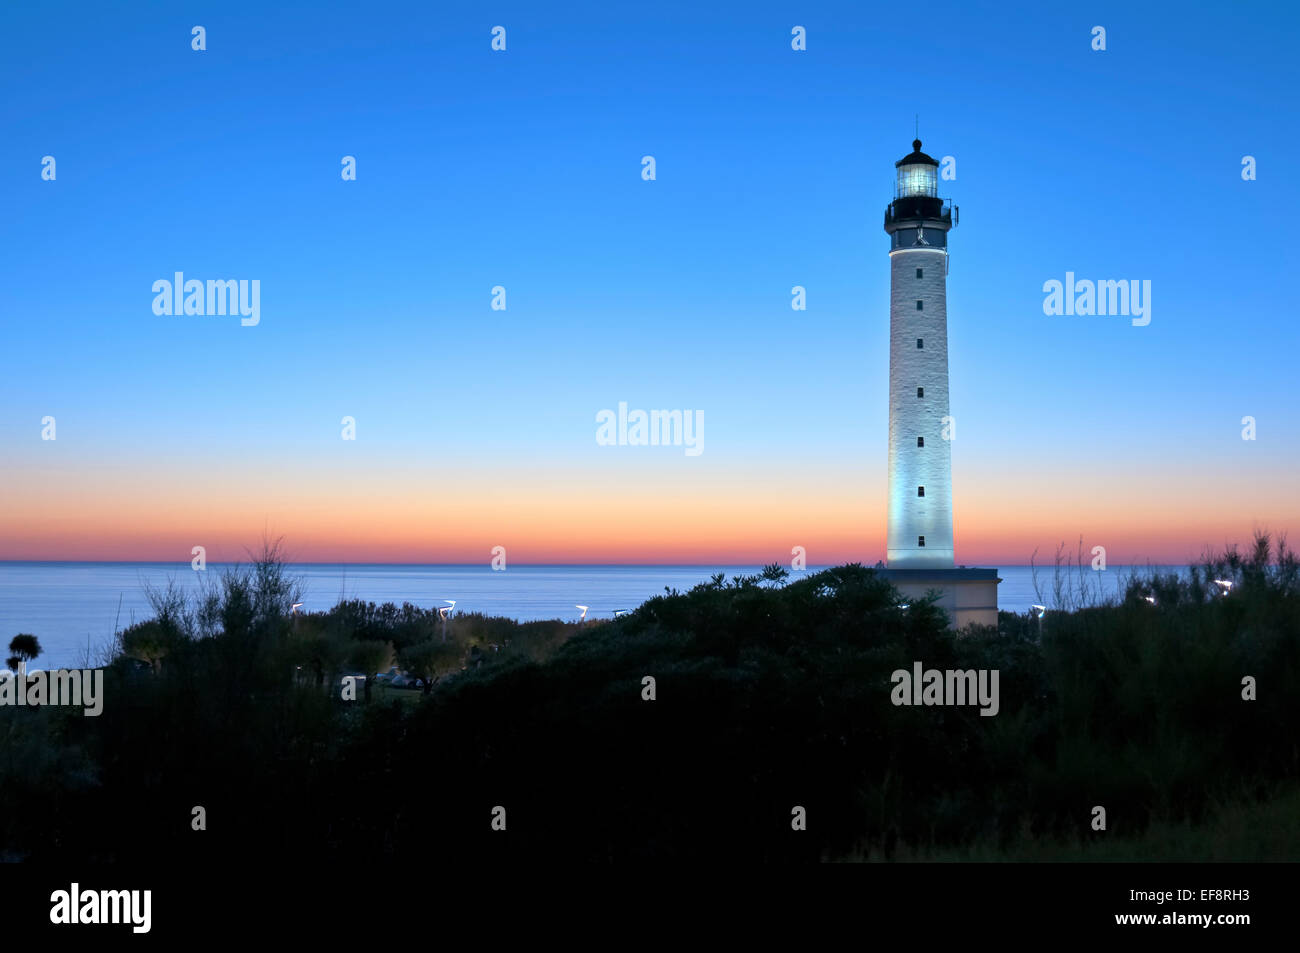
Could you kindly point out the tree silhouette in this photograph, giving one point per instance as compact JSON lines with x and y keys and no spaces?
{"x":430,"y":661}
{"x":371,"y":657}
{"x":148,"y":641}
{"x":24,"y":648}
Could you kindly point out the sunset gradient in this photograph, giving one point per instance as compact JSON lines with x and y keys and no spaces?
{"x":477,"y":428}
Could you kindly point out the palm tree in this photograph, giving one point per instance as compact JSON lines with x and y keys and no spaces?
{"x":24,"y":648}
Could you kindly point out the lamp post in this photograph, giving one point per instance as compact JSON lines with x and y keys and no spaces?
{"x":1039,"y":612}
{"x":583,"y":617}
{"x":444,"y":613}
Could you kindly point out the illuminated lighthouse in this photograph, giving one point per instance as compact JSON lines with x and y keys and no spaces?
{"x":919,"y":538}
{"x":920,"y":459}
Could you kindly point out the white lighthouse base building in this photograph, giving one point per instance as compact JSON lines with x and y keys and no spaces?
{"x":968,"y":596}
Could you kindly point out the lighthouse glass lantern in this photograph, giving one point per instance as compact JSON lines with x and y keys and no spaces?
{"x":918,"y":175}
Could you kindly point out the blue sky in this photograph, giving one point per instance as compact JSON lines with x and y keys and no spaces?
{"x":522,"y":169}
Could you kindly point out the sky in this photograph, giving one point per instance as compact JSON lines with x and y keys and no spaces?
{"x":522,"y":168}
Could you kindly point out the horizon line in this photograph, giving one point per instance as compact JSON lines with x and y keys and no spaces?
{"x":545,"y":565}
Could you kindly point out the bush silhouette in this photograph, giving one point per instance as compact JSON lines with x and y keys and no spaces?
{"x":768,"y":695}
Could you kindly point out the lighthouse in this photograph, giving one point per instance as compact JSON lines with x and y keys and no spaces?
{"x":919,"y":549}
{"x":920,"y":460}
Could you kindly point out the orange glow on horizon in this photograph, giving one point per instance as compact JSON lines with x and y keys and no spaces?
{"x":713,"y":518}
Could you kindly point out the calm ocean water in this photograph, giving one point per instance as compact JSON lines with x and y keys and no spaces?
{"x":69,"y":605}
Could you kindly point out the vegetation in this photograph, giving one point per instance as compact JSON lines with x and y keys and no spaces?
{"x":768,"y":695}
{"x":22,"y":649}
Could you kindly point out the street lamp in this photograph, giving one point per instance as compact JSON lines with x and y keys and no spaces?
{"x":444,"y":613}
{"x":583,"y":617}
{"x":1039,"y":612}
{"x":1225,"y":585}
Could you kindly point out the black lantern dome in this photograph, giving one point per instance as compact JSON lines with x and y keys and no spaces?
{"x":916,"y":194}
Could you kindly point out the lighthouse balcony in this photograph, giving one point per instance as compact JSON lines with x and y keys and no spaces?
{"x":920,"y":208}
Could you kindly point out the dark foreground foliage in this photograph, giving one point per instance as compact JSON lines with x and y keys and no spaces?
{"x":768,"y":696}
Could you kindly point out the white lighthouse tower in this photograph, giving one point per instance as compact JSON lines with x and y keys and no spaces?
{"x":919,"y":539}
{"x":920,"y":461}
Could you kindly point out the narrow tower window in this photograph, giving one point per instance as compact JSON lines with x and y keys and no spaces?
{"x":920,"y":491}
{"x":920,"y":441}
{"x":919,"y":344}
{"x":920,"y":540}
{"x":920,"y":392}
{"x":918,"y":305}
{"x":918,"y":272}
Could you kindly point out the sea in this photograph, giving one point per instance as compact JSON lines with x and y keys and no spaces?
{"x":74,"y":608}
